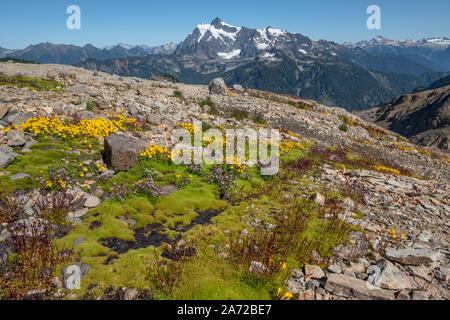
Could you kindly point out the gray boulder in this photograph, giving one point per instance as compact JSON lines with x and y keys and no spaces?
{"x":413,"y":256}
{"x":3,"y":110}
{"x":346,"y":286}
{"x":6,"y":159}
{"x":238,"y":88}
{"x":16,"y":138}
{"x":134,"y":108}
{"x":20,"y":118}
{"x":121,"y":152}
{"x":217,"y":86}
{"x":79,"y":88}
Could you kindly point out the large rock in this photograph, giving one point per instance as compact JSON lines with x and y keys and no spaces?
{"x":388,"y":276}
{"x":347,"y":286}
{"x":413,"y":256}
{"x":15,"y":138}
{"x":3,"y":110}
{"x":217,"y":86}
{"x":5,"y":159}
{"x":121,"y":152}
{"x":134,"y":108}
{"x":80,"y":88}
{"x":12,"y":115}
{"x":257,"y":267}
{"x":20,"y":118}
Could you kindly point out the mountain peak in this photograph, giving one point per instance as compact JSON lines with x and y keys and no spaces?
{"x":217,"y":22}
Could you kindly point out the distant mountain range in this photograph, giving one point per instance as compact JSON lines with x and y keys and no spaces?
{"x":433,"y":52}
{"x":423,"y":117}
{"x":70,"y":54}
{"x":353,"y":75}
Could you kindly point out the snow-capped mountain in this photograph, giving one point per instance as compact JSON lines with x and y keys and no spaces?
{"x":223,"y":41}
{"x":167,"y":48}
{"x":438,"y":43}
{"x":434,"y":51}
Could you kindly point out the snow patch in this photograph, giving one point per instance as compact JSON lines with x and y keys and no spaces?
{"x":229,"y":55}
{"x":216,"y":33}
{"x":276,"y":32}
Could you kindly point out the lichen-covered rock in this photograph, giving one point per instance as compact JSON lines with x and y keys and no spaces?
{"x":5,"y":159}
{"x":217,"y":86}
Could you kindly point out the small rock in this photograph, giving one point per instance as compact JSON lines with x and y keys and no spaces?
{"x":297,"y":273}
{"x":92,"y":202}
{"x":318,"y":198}
{"x":78,"y":241}
{"x":77,"y":214}
{"x":130,"y":294}
{"x":168,"y":189}
{"x":420,"y":295}
{"x":20,"y":176}
{"x":403,"y":295}
{"x":257,"y":267}
{"x":334,"y":268}
{"x":314,"y":272}
{"x":238,"y":88}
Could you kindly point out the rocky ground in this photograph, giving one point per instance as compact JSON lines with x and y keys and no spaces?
{"x":392,"y":196}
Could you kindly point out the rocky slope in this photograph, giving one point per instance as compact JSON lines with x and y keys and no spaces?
{"x":374,"y":208}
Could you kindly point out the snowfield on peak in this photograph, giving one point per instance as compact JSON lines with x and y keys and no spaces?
{"x":216,"y":33}
{"x":229,"y":55}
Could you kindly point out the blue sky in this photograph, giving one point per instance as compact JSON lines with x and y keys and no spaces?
{"x":156,"y":22}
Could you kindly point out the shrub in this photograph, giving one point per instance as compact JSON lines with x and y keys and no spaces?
{"x":10,"y":208}
{"x":144,"y":186}
{"x":212,"y":107}
{"x":343,"y":128}
{"x":195,"y":169}
{"x":32,"y":262}
{"x":259,"y":119}
{"x":224,"y":177}
{"x":165,"y":274}
{"x":239,"y":114}
{"x":178,"y":94}
{"x":54,"y":206}
{"x":271,"y":247}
